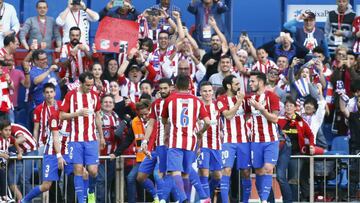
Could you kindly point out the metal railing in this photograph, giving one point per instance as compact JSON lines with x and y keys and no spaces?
{"x":342,"y":162}
{"x":37,"y":161}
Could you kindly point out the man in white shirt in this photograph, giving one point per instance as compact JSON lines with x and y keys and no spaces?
{"x":9,"y":23}
{"x":76,"y":15}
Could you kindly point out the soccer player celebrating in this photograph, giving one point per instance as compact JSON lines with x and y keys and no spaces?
{"x":159,"y":155}
{"x":181,"y":111}
{"x":236,"y":142}
{"x":53,"y":158}
{"x":82,"y":107}
{"x":264,"y":107}
{"x":210,"y":151}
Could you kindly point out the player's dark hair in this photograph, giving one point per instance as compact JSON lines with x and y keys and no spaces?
{"x":166,"y":81}
{"x":227,"y":81}
{"x":4,"y":123}
{"x":182,"y":82}
{"x":259,"y":75}
{"x":220,"y":91}
{"x":205,"y":83}
{"x":48,"y":85}
{"x":84,"y":75}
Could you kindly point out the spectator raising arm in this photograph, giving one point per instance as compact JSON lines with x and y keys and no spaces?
{"x":224,"y":44}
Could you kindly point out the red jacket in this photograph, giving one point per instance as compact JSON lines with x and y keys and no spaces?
{"x":303,"y":130}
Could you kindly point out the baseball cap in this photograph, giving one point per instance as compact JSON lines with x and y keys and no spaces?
{"x":310,"y":14}
{"x":76,"y":2}
{"x":134,"y":66}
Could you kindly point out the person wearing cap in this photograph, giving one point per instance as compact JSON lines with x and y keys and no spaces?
{"x":130,"y":85}
{"x":308,"y":35}
{"x":338,"y":26}
{"x":76,"y":14}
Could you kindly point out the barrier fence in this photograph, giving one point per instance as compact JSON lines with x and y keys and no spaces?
{"x":344,"y":170}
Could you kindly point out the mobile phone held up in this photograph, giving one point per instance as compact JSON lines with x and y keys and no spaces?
{"x":119,"y":3}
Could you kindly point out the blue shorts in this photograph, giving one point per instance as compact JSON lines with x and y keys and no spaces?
{"x":161,"y":152}
{"x":264,"y":152}
{"x":68,"y":168}
{"x":180,"y":160}
{"x":210,"y":159}
{"x":147,"y":165}
{"x":240,"y":151}
{"x":50,"y":170}
{"x":85,"y":153}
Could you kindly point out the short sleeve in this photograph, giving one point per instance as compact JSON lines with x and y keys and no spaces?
{"x":65,"y":105}
{"x":97,"y":105}
{"x":222,"y":104}
{"x":165,"y":111}
{"x":274,"y":102}
{"x":203,"y":112}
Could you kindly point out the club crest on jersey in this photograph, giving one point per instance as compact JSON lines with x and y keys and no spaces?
{"x":220,"y":105}
{"x":53,"y":123}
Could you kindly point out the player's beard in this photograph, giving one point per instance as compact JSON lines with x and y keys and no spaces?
{"x":164,"y":95}
{"x":235,"y":91}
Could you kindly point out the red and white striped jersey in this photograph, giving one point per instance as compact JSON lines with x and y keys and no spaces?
{"x":5,"y":144}
{"x":42,"y":114}
{"x":109,"y":124}
{"x":264,"y":68}
{"x":83,"y":129}
{"x":156,"y":110}
{"x":183,"y":111}
{"x":78,"y":63}
{"x":129,"y":89}
{"x":211,"y":138}
{"x":263,"y":130}
{"x":105,"y":89}
{"x":235,"y":130}
{"x":55,"y":125}
{"x":5,"y":102}
{"x":30,"y":143}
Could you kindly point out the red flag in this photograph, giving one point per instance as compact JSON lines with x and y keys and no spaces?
{"x":114,"y":34}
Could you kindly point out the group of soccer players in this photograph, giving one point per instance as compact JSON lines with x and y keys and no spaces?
{"x":212,"y":132}
{"x":217,"y":132}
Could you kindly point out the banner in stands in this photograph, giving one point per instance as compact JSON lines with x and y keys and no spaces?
{"x":321,"y":11}
{"x":116,"y":35}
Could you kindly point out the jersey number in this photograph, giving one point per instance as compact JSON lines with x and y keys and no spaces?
{"x":184,"y":118}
